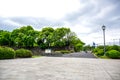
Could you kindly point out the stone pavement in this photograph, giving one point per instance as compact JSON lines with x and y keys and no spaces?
{"x":60,"y":68}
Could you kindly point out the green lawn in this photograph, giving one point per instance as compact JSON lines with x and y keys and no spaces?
{"x":104,"y":57}
{"x":36,"y":56}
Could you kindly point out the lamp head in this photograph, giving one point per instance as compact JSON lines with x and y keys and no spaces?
{"x":103,"y":27}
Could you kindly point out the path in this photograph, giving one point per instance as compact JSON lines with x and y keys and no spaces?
{"x":59,"y":68}
{"x":80,"y":55}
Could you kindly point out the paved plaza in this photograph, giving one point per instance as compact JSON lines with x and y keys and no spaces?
{"x":60,"y":68}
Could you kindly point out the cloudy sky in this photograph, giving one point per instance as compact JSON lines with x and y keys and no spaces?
{"x":84,"y":17}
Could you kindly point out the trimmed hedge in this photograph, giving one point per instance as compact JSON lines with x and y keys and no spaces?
{"x":114,"y":47}
{"x":7,"y":53}
{"x":71,"y":51}
{"x":23,"y":53}
{"x":100,"y":52}
{"x":95,"y":50}
{"x":113,"y":54}
{"x":57,"y":51}
{"x":63,"y":51}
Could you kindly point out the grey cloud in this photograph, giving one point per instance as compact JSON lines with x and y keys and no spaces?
{"x":91,"y":9}
{"x":5,"y":25}
{"x":37,"y":23}
{"x":87,"y":10}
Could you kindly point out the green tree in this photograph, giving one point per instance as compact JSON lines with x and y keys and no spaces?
{"x":87,"y":48}
{"x":48,"y":37}
{"x":24,"y":36}
{"x":5,"y":38}
{"x":59,"y":37}
{"x":44,"y":38}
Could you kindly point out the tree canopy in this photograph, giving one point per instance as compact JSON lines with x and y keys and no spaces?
{"x":48,"y":37}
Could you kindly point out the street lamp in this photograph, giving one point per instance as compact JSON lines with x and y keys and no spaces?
{"x":103,"y":28}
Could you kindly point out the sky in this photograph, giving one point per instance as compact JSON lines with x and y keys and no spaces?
{"x":84,"y":17}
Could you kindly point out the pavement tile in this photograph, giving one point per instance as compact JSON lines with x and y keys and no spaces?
{"x":59,"y":68}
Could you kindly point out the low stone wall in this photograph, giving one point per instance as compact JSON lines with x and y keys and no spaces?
{"x":52,"y":54}
{"x":38,"y":51}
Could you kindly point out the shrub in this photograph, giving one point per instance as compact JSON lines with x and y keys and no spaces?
{"x":7,"y":53}
{"x":95,"y":50}
{"x":78,"y":47}
{"x":100,"y":47}
{"x":108,"y":48}
{"x":71,"y":51}
{"x":64,"y":51}
{"x":100,"y":52}
{"x":113,"y":54}
{"x":119,"y":48}
{"x":23,"y":53}
{"x":57,"y":51}
{"x":114,"y":47}
{"x":88,"y":48}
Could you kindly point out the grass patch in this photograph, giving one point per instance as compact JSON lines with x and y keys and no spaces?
{"x":36,"y":56}
{"x":104,"y":57}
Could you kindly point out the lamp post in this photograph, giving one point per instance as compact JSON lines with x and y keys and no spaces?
{"x":103,"y":28}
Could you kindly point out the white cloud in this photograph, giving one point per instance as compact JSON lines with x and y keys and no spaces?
{"x":55,"y":9}
{"x":80,"y":29}
{"x":113,"y":33}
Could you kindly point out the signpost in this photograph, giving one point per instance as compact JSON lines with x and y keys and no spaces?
{"x":47,"y":50}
